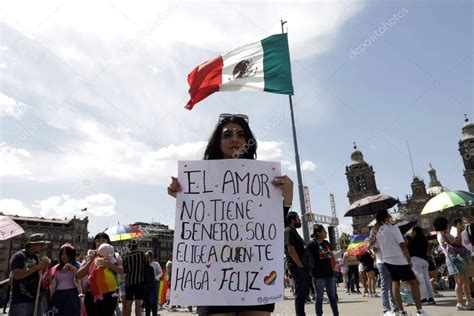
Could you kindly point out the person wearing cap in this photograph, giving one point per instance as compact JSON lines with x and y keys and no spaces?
{"x":64,"y":288}
{"x":26,"y":267}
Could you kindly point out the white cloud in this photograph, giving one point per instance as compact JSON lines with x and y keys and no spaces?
{"x":305,"y":165}
{"x":308,"y":166}
{"x":10,"y":107}
{"x":269,"y":150}
{"x":127,"y":122}
{"x":65,"y":206}
{"x":14,"y":161}
{"x":14,"y":207}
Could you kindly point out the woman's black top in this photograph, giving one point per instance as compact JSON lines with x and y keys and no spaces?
{"x":322,"y":254}
{"x":418,"y":248}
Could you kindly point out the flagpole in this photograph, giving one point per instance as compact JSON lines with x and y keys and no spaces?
{"x":298,"y":168}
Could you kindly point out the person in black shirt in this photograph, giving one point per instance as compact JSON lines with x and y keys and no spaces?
{"x":322,"y":272}
{"x":418,"y":248}
{"x":294,"y":251}
{"x":26,"y":266}
{"x":134,"y":264}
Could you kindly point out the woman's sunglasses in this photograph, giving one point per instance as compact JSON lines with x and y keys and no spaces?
{"x":225,"y":116}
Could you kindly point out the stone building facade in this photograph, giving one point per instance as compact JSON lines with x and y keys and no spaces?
{"x":361,"y":181}
{"x":466,"y":149}
{"x":58,"y":231}
{"x":157,"y":237}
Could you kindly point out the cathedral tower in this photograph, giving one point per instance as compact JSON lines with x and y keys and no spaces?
{"x":361,"y":180}
{"x":466,"y":149}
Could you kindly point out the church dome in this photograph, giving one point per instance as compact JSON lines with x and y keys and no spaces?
{"x":435,"y":187}
{"x":467,"y":129}
{"x":435,"y":190}
{"x":356,"y":156}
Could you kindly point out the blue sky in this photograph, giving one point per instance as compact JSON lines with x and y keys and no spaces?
{"x":92,"y":98}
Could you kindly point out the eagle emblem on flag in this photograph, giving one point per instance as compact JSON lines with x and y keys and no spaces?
{"x":244,"y":68}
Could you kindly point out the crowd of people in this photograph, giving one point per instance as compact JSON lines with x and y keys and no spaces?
{"x":409,"y":269}
{"x":94,"y":285}
{"x":404,"y":268}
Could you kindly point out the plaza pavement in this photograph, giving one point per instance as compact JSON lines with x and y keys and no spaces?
{"x":356,"y":305}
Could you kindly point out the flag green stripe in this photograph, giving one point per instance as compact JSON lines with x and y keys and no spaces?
{"x":276,"y":64}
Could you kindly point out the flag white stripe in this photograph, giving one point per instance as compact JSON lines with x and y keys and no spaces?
{"x":255,"y":82}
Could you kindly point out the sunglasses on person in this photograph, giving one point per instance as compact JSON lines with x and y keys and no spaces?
{"x":226,"y":116}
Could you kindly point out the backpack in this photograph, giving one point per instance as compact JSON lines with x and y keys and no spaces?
{"x":308,"y":259}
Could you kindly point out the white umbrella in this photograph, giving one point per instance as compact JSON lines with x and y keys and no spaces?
{"x":9,"y":228}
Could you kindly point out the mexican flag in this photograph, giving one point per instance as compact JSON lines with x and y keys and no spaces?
{"x":260,"y":66}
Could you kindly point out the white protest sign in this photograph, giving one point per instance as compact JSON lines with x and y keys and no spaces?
{"x":228,"y":240}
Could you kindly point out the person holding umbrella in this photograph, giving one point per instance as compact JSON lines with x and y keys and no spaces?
{"x":394,"y":252}
{"x":27,"y":271}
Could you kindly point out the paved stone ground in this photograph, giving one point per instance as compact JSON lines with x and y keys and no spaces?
{"x":356,"y":305}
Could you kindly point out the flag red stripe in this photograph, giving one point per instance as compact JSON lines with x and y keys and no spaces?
{"x":204,"y":80}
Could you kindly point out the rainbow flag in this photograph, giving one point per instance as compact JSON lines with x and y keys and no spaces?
{"x":103,"y":280}
{"x":163,"y":288}
{"x":357,"y":245}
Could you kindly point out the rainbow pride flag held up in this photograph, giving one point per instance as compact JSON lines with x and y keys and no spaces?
{"x":103,"y":280}
{"x":163,"y":288}
{"x":357,"y":245}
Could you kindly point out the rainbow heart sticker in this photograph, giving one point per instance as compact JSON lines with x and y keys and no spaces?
{"x":270,"y":279}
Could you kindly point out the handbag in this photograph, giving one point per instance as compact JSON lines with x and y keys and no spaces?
{"x":457,"y":249}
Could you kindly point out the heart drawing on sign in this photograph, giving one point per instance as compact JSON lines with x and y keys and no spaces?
{"x":208,"y":265}
{"x":270,"y":279}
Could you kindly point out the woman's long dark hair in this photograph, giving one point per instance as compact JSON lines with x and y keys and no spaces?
{"x":317,"y":228}
{"x":101,"y":235}
{"x":213,"y":149}
{"x":420,"y":241}
{"x":70,"y":253}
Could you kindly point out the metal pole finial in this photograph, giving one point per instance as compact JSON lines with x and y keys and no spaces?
{"x":282,"y":24}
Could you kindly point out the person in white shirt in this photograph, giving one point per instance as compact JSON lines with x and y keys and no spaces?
{"x":388,"y":302}
{"x":395,"y":256}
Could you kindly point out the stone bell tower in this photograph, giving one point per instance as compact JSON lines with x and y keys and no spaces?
{"x":466,"y":149}
{"x":361,"y":180}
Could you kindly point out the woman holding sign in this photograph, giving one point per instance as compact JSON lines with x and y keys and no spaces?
{"x":233,"y":139}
